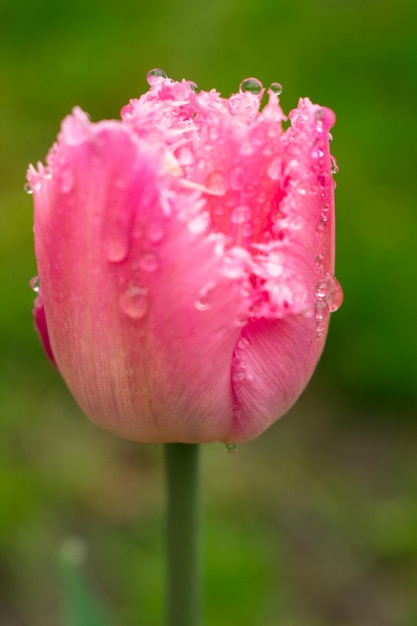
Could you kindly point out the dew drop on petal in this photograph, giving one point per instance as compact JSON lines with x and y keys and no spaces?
{"x":216,"y":183}
{"x":276,"y":88}
{"x":321,"y":317}
{"x":134,"y":302}
{"x":335,"y":296}
{"x":205,"y":297}
{"x":28,"y":189}
{"x":334,"y":167}
{"x":34,"y":284}
{"x":243,"y":343}
{"x":191,"y":84}
{"x":241,"y":320}
{"x":153,"y":75}
{"x":116,"y":249}
{"x":149,"y":262}
{"x":322,"y":290}
{"x":239,"y":376}
{"x":230,"y":447}
{"x":251,"y":84}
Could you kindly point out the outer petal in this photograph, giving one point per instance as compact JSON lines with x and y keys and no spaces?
{"x":120,"y":283}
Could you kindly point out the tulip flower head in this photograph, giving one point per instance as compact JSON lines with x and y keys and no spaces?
{"x":185,"y":258}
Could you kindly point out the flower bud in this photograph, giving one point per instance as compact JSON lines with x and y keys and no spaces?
{"x":185,"y":258}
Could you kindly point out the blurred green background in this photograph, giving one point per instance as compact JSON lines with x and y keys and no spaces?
{"x":314,"y":523}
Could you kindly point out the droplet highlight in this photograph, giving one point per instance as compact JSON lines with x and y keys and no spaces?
{"x":231,"y":448}
{"x":35,"y":284}
{"x":28,"y":189}
{"x":276,"y":88}
{"x":205,"y":297}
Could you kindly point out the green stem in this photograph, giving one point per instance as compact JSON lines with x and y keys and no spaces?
{"x":183,"y":534}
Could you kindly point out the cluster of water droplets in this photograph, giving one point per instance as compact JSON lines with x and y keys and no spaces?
{"x":328,"y":293}
{"x":329,"y":297}
{"x":254,"y":85}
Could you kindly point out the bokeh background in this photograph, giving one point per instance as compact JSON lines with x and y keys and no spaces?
{"x":314,"y":523}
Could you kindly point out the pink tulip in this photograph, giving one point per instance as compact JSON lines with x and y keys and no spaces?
{"x":185,"y":258}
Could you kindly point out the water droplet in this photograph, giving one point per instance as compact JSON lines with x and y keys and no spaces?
{"x":241,"y":214}
{"x":241,"y":319}
{"x":216,"y":183}
{"x":251,"y":84}
{"x":67,"y":181}
{"x":243,"y":343}
{"x":324,"y":216}
{"x":191,"y":84}
{"x":116,"y":249}
{"x":149,"y":262}
{"x":28,"y":189}
{"x":317,"y":153}
{"x":205,"y":297}
{"x":321,"y":317}
{"x":134,"y":302}
{"x":322,"y":310}
{"x":154,"y":75}
{"x":334,"y":167}
{"x":322,"y":289}
{"x":156,"y":231}
{"x":34,"y":284}
{"x":276,"y":88}
{"x":330,"y":137}
{"x":230,"y":447}
{"x":239,"y":376}
{"x":335,"y":295}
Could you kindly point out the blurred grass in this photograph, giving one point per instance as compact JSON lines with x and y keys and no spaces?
{"x":315,"y":523}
